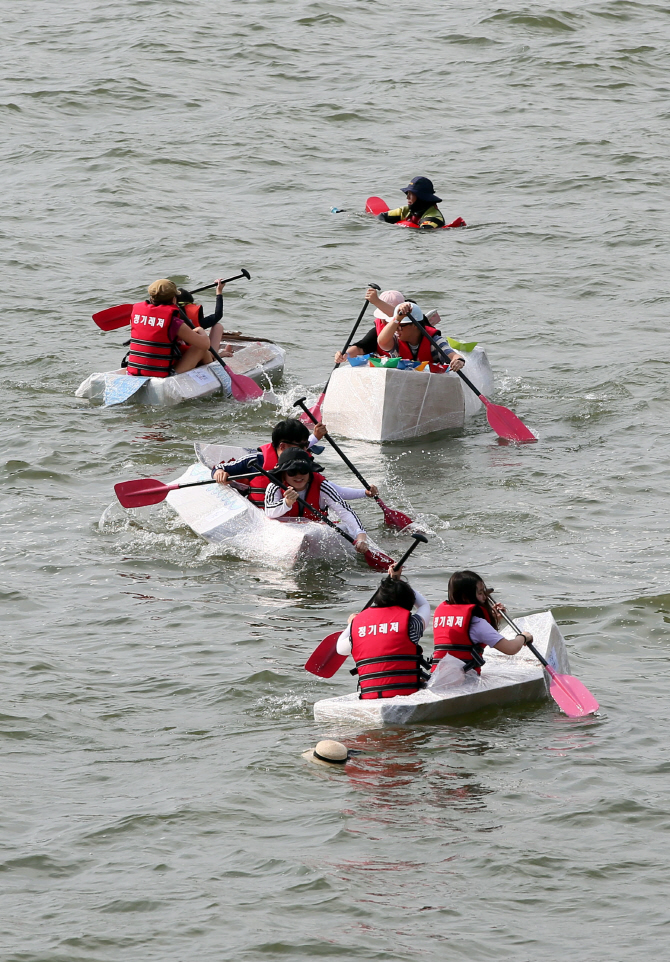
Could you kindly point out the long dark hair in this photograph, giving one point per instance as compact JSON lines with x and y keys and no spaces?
{"x":392,"y":593}
{"x":463,"y":591}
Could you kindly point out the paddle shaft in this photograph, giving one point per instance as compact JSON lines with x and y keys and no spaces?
{"x":443,"y":354}
{"x":351,"y":336}
{"x":211,"y":350}
{"x":529,"y":644}
{"x":227,"y":280}
{"x":418,"y":539}
{"x":196,"y":484}
{"x":301,"y":403}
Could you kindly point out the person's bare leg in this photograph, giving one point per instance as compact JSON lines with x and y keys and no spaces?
{"x":191,"y":359}
{"x":215,"y":336}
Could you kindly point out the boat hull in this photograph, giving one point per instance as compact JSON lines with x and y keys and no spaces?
{"x":387,"y":404}
{"x":505,"y":681}
{"x":261,"y":361}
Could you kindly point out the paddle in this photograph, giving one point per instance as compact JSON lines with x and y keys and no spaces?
{"x":324,"y":660}
{"x":115,"y":317}
{"x":396,"y":519}
{"x":569,"y":693}
{"x":145,"y":491}
{"x":316,"y":410}
{"x":242,"y":387}
{"x":376,"y":206}
{"x":376,"y":559}
{"x":503,"y":421}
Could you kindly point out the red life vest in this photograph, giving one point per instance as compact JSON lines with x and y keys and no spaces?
{"x":312,"y":497}
{"x":425,"y":346}
{"x":194,"y":313}
{"x":152,"y":353}
{"x":258,"y":485}
{"x":380,"y":324}
{"x":451,"y":631}
{"x":388,"y":662}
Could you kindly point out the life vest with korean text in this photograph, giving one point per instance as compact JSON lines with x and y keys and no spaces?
{"x":424,"y":353}
{"x":451,"y":632}
{"x":388,"y":662}
{"x":152,"y":352}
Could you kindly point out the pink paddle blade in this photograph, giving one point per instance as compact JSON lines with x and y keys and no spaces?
{"x":324,"y":660}
{"x":144,"y":491}
{"x":316,"y":412}
{"x":243,"y":388}
{"x":377,"y":560}
{"x":506,"y":424}
{"x":392,"y":517}
{"x":113,"y":317}
{"x":571,"y":695}
{"x":375,"y":205}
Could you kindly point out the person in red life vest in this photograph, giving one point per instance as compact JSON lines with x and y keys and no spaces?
{"x":384,"y":305}
{"x":304,"y":485}
{"x":155,"y":331}
{"x":383,"y":640}
{"x":196,"y":316}
{"x":291,"y":433}
{"x":465,"y":624}
{"x":421,"y":206}
{"x":401,"y":338}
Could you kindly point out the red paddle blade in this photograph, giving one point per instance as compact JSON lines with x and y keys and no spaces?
{"x":377,"y":560}
{"x":375,"y":205}
{"x":324,"y":660}
{"x":506,"y":424}
{"x":144,"y":491}
{"x":113,"y":317}
{"x":396,"y":519}
{"x":316,"y":412}
{"x":243,"y":388}
{"x":571,"y":696}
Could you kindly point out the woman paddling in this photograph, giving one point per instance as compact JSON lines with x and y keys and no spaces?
{"x":383,"y":640}
{"x":301,"y":485}
{"x":402,"y":338}
{"x":465,"y":624}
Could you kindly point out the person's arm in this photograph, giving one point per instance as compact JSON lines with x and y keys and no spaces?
{"x":482,"y":633}
{"x":350,"y":520}
{"x":367,"y":344}
{"x":387,"y":335}
{"x":318,"y":434}
{"x":343,"y":645}
{"x":393,"y":216}
{"x":275,"y":504}
{"x":422,"y":607}
{"x":241,"y":466}
{"x":355,"y":494}
{"x":196,"y":337}
{"x":456,"y":360}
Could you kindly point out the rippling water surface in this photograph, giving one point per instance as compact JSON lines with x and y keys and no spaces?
{"x":155,"y":805}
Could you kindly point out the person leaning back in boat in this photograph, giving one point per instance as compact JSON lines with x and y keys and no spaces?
{"x":300,"y":485}
{"x":290,"y":433}
{"x":211,"y":323}
{"x":401,"y":338}
{"x":421,"y":206}
{"x":383,"y":640}
{"x":468,"y":621}
{"x":156,"y":328}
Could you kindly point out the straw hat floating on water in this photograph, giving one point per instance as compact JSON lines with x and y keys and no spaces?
{"x":329,"y":753}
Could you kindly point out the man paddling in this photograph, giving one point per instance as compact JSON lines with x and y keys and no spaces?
{"x":156,"y":330}
{"x":401,"y":338}
{"x":300,"y":486}
{"x":383,"y":640}
{"x":421,"y":208}
{"x":290,"y":433}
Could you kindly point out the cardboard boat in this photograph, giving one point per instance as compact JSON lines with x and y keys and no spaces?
{"x":386,"y":404}
{"x":263,"y":361}
{"x":222,"y":516}
{"x":505,"y":680}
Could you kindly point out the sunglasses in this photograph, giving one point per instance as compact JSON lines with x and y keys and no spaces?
{"x":296,"y":474}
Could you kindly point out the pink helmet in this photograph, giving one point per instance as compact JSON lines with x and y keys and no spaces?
{"x":392,"y":298}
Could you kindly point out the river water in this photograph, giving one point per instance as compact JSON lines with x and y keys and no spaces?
{"x":155,"y":805}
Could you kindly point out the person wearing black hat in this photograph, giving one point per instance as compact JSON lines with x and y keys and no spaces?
{"x":300,"y":485}
{"x":421,"y":206}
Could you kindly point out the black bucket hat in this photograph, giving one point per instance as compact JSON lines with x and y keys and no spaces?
{"x":294,"y":459}
{"x":423,"y":188}
{"x":184,"y":296}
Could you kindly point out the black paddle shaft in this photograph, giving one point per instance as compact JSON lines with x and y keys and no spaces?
{"x":301,"y":403}
{"x":353,"y":331}
{"x":444,"y":355}
{"x":226,"y":280}
{"x":418,"y":539}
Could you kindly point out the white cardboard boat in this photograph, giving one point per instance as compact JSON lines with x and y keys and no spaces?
{"x":260,"y":360}
{"x":505,"y":680}
{"x":385,"y":404}
{"x":222,"y":516}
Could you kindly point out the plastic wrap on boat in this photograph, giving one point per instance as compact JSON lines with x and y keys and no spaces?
{"x":505,"y":680}
{"x":387,"y":404}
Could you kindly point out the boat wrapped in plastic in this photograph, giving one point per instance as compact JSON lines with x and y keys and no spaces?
{"x":222,"y":516}
{"x":263,"y":361}
{"x":389,"y":404}
{"x":505,"y":680}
